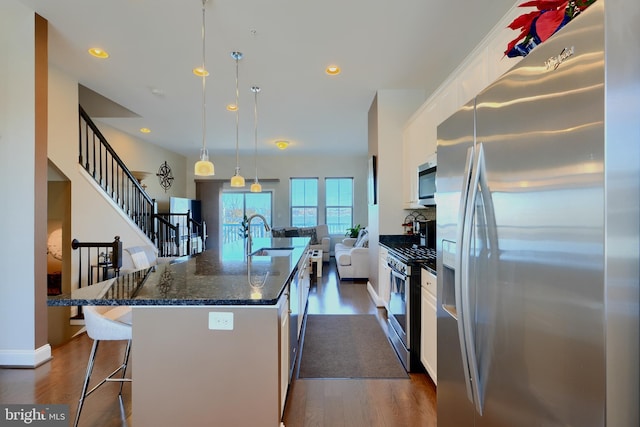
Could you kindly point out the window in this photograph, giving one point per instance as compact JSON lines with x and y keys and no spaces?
{"x":339,"y":204}
{"x":304,"y":202}
{"x":237,"y":205}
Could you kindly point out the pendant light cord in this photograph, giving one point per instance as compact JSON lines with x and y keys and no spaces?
{"x":255,"y":127}
{"x":237,"y":115}
{"x":204,"y":79}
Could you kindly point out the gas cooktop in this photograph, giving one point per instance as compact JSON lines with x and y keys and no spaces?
{"x":415,"y":254}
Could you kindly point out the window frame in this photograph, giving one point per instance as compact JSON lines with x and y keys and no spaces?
{"x":316,"y":206}
{"x":328,"y":206}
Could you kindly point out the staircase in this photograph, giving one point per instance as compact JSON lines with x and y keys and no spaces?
{"x":102,"y":163}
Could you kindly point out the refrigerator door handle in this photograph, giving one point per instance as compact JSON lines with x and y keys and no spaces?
{"x":461,"y":266}
{"x":468,"y":322}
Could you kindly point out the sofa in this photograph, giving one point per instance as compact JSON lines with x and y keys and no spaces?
{"x":352,"y":257}
{"x":319,"y":235}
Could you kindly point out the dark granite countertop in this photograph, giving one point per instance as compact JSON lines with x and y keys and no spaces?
{"x":214,"y":277}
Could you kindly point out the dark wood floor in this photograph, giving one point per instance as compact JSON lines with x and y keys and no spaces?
{"x":311,"y":402}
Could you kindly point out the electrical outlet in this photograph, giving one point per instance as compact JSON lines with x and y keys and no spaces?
{"x":220,"y":321}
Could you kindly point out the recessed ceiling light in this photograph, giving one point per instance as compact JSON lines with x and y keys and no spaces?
{"x":332,"y":70}
{"x":200,"y":72}
{"x":232,"y":107}
{"x":145,"y":130}
{"x":282,"y":144}
{"x":98,"y":53}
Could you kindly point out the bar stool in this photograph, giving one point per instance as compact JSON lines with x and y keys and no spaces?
{"x":106,"y":323}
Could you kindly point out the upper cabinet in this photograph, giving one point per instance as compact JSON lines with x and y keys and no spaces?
{"x":483,"y":66}
{"x":418,"y":141}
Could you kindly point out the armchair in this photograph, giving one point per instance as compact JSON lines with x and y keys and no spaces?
{"x":352,"y":257}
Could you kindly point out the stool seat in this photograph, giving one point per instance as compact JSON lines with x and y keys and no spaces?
{"x":106,"y":323}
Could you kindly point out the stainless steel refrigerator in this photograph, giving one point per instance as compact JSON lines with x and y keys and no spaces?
{"x":537,"y":236}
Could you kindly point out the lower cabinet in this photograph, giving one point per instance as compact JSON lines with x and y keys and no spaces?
{"x":384,"y":284}
{"x":283,"y":337}
{"x":429,"y":325}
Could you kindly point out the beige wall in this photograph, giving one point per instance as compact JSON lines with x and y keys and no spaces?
{"x":286,"y":166}
{"x":21,"y":298}
{"x":139,"y":155}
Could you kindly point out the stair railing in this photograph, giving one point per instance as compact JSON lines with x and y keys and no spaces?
{"x":97,"y":261}
{"x":181,"y":238}
{"x":100,"y":161}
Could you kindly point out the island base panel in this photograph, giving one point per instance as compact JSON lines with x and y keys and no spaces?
{"x":187,"y":374}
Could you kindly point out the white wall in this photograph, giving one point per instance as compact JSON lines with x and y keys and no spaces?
{"x":17,"y":153}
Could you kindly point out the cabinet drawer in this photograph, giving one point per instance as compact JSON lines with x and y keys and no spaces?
{"x":429,"y":281}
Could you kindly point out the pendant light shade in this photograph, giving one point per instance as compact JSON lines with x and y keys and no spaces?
{"x":255,"y":187}
{"x":204,"y":167}
{"x":237,"y":180}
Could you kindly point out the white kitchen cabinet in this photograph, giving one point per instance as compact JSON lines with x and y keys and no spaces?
{"x":419,"y":143}
{"x":384,"y":284}
{"x":283,"y":336}
{"x":304,"y":283}
{"x":428,"y":323}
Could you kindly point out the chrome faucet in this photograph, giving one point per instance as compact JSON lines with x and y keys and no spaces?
{"x":266,"y":228}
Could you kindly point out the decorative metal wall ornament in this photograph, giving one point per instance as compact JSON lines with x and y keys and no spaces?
{"x":165,"y":176}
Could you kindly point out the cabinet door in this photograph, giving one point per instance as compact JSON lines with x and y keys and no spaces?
{"x":304,"y":268}
{"x":283,"y":318}
{"x":384,"y":286}
{"x":429,"y":334}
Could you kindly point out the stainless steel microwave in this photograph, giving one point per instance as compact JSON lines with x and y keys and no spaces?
{"x":427,"y":183}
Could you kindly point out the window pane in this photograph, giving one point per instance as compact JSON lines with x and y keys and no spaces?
{"x":232,"y":208}
{"x":304,"y":217}
{"x":304,"y":202}
{"x":235,"y":205}
{"x":338,"y":220}
{"x":339,"y":204}
{"x":259,"y":203}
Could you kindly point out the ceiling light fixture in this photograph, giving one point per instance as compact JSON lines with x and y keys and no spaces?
{"x":282,"y":144}
{"x":255,"y":187}
{"x":204,"y":167}
{"x":237,"y":180}
{"x":332,"y":70}
{"x":98,"y":53}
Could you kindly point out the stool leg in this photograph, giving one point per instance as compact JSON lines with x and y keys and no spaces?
{"x":124,"y":364}
{"x":87,"y":377}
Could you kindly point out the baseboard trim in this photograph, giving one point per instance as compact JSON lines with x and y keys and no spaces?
{"x":374,"y":296}
{"x":25,"y":358}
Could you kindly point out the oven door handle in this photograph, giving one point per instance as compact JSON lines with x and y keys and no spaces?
{"x":394,"y":283}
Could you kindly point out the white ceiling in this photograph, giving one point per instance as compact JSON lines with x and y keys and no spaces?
{"x":154,"y":44}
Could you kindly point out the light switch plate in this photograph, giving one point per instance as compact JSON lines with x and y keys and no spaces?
{"x":221,"y":321}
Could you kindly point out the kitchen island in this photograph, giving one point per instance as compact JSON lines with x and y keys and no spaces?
{"x":210,"y":334}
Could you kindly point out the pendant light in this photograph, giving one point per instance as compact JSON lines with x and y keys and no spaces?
{"x":255,"y":187}
{"x":203,"y":167}
{"x":237,"y":180}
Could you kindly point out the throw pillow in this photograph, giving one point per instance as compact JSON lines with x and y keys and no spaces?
{"x":361,"y":235}
{"x":363,"y":242}
{"x":309,"y":232}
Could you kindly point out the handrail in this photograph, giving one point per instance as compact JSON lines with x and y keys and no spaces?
{"x":101,"y":161}
{"x":108,"y":170}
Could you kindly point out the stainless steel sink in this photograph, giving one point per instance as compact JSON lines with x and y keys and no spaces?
{"x":272,"y":252}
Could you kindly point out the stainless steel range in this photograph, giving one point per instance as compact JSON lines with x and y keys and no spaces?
{"x":404,"y":305}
